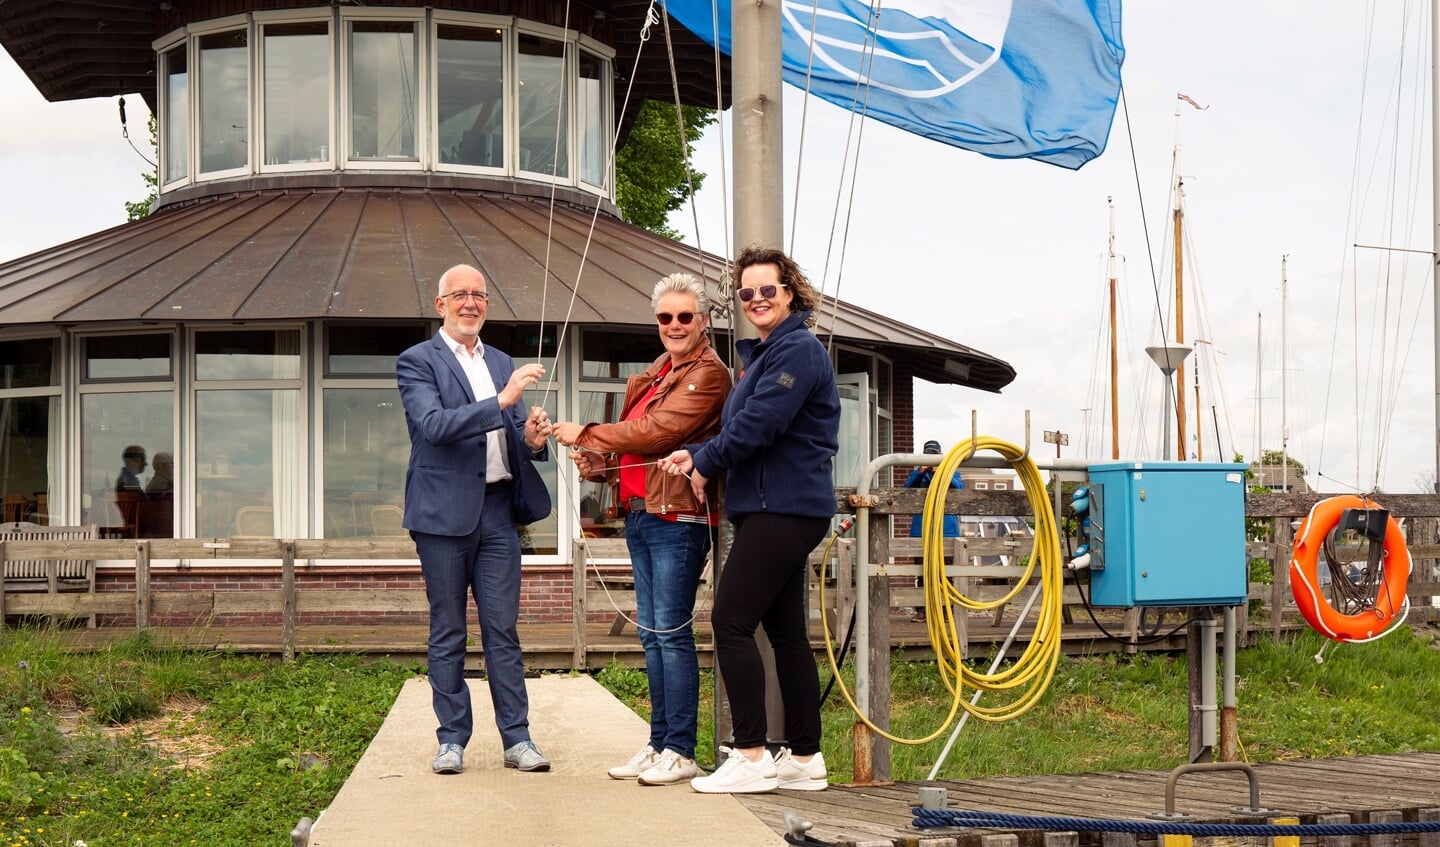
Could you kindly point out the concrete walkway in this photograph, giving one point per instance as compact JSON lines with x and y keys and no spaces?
{"x":392,"y":799}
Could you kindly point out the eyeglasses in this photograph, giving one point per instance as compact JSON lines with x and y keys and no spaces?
{"x":458,"y":297}
{"x":684,"y":318}
{"x":766,"y":292}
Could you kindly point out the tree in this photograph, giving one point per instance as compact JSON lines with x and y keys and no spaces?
{"x":1271,"y":458}
{"x":650,"y":169}
{"x":136,"y":211}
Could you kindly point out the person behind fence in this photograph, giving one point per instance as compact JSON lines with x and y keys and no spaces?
{"x":675,"y":401}
{"x":469,"y":486}
{"x":777,"y":442}
{"x":920,"y":478}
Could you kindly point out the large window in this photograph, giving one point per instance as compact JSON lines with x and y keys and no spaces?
{"x":127,"y":435}
{"x":365,"y":446}
{"x":224,"y":101}
{"x":590,"y":119}
{"x":393,"y":88}
{"x":544,"y":132}
{"x":384,"y":90}
{"x":470,"y":87}
{"x":29,"y":428}
{"x":249,"y":444}
{"x":297,"y":93}
{"x":175,"y":114}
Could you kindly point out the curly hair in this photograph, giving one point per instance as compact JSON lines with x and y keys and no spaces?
{"x":806,"y":298}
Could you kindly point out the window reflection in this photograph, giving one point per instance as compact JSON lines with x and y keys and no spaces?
{"x":30,"y":435}
{"x":471,"y":88}
{"x":118,"y":357}
{"x":224,"y":100}
{"x":176,"y":110}
{"x":543,"y":133}
{"x":247,"y":354}
{"x":590,"y":119}
{"x":366,"y":449}
{"x":127,"y":441}
{"x":383,"y":90}
{"x":248,"y":470}
{"x":297,"y":93}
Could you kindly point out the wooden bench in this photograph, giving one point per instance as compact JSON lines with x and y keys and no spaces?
{"x":48,"y":575}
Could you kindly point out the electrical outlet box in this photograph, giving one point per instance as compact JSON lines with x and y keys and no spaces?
{"x":1167,"y":534}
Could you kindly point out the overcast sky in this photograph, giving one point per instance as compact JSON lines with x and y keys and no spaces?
{"x":1316,"y":138}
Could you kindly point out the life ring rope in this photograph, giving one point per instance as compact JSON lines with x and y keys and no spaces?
{"x":1385,"y":602}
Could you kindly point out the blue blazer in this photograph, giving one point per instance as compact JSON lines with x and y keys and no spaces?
{"x":445,"y":481}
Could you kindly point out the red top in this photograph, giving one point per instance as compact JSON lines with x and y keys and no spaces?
{"x":632,"y":467}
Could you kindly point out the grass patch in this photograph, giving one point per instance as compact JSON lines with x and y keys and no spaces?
{"x":138,"y":744}
{"x":1114,"y":712}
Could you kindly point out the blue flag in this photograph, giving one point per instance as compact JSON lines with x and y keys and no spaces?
{"x":1010,"y":79}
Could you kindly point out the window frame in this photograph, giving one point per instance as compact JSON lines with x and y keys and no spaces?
{"x":344,"y":110}
{"x":271,"y":18}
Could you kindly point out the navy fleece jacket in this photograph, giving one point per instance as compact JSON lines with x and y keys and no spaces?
{"x":780,"y":428}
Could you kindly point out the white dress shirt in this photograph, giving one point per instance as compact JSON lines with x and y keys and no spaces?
{"x":497,"y":465}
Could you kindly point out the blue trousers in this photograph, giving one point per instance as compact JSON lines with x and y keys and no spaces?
{"x":484,"y":564}
{"x":667,"y":558}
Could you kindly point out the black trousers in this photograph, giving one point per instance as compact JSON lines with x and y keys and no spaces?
{"x":763,"y":582}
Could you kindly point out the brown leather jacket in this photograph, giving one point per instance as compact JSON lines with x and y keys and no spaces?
{"x":685,"y":409}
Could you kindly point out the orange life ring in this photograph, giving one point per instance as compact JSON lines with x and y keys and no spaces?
{"x":1391,"y":598}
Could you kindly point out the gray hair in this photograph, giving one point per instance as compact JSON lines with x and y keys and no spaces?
{"x":682,"y":283}
{"x":440,"y":286}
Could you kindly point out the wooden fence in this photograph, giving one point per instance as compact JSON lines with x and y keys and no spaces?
{"x":889,"y":586}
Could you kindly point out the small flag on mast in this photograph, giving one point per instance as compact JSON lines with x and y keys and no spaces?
{"x":1191,"y":100}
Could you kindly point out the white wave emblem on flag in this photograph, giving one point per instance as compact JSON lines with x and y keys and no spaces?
{"x":919,"y":48}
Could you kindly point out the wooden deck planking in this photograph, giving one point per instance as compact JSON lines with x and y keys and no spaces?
{"x":881,"y":814}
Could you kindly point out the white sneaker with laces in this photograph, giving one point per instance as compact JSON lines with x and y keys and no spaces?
{"x":670,"y":769}
{"x":795,"y":775}
{"x":640,"y":762}
{"x":739,"y":775}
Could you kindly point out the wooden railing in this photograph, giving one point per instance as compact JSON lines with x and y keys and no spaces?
{"x":1277,"y":511}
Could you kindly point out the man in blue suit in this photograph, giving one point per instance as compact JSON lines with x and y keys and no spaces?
{"x":469,"y":485}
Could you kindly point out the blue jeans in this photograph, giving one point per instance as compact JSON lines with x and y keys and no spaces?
{"x":667,"y":558}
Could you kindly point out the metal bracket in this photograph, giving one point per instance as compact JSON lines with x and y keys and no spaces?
{"x":863,"y":501}
{"x":1201,"y":767}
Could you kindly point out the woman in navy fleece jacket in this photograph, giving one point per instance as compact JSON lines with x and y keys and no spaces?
{"x":777,"y":442}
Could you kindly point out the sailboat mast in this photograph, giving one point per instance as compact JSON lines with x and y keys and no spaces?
{"x":755,"y":78}
{"x":1284,"y":382}
{"x":1179,"y":296}
{"x":1435,"y":211}
{"x":1114,"y":349}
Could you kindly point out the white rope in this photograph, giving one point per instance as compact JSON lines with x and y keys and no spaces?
{"x":554,"y":184}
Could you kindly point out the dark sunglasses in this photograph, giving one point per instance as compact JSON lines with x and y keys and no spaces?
{"x":684,"y":318}
{"x":766,"y":292}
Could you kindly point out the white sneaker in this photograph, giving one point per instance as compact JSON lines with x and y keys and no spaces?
{"x":639,"y":762}
{"x":801,"y":776}
{"x":739,"y":775}
{"x":671,"y":768}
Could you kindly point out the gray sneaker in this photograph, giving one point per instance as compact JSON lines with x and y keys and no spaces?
{"x":526,"y":757}
{"x":450,"y":759}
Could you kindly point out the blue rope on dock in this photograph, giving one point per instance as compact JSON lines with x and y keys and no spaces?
{"x":926,"y":818}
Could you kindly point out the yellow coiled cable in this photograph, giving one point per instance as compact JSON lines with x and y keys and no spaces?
{"x":1035,"y":667}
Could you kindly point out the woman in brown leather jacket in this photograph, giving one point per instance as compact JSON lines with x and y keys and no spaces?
{"x":675,"y":401}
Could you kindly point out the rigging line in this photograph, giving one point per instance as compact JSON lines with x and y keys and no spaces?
{"x":1214,"y":375}
{"x":1140,"y":196}
{"x":862,"y":84}
{"x":684,"y":141}
{"x":1099,"y":363}
{"x":560,"y":110}
{"x":650,"y":18}
{"x":804,"y":116}
{"x":594,"y":566}
{"x":726,"y":285}
{"x":1399,"y":359}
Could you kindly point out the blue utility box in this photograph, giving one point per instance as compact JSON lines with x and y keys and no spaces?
{"x":1167,"y":534}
